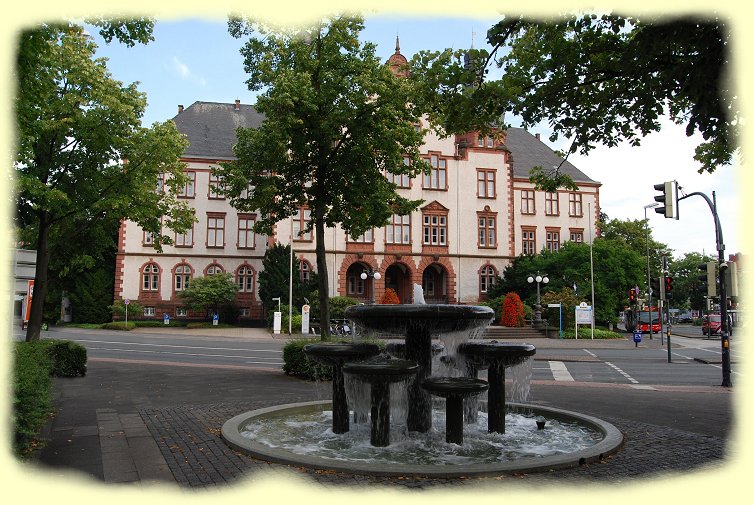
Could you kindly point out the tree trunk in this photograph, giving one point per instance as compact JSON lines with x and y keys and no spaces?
{"x":40,"y":280}
{"x":322,"y":277}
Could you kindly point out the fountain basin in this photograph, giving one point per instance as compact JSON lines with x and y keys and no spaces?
{"x":437,"y":318}
{"x":609,"y":441}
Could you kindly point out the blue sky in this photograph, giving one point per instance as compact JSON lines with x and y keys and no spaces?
{"x":195,"y":59}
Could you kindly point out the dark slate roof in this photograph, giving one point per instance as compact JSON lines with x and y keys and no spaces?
{"x":211,"y":127}
{"x":528,"y":151}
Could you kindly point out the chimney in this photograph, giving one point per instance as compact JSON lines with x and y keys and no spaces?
{"x":537,"y":135}
{"x":238,"y":104}
{"x":180,"y":109}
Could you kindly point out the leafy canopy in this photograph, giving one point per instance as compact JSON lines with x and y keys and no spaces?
{"x":210,"y":292}
{"x":596,"y":79}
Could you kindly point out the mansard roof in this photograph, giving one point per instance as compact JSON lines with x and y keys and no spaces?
{"x":528,"y":151}
{"x":211,"y":127}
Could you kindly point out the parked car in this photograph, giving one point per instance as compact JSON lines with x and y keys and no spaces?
{"x":685,"y":317}
{"x":711,"y":325}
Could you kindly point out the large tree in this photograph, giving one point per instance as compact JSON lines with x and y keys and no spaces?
{"x":336,"y":119}
{"x":596,"y":79}
{"x":83,"y":157}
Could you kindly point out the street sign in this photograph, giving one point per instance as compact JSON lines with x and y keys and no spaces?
{"x":305,"y":319}
{"x":215,"y":319}
{"x":166,"y":319}
{"x":637,"y":336}
{"x":126,"y":301}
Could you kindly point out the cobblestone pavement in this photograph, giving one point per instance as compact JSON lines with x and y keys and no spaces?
{"x":190,"y":441}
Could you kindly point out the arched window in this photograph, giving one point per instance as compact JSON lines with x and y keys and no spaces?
{"x":150,"y":278}
{"x":487,"y":276}
{"x":182,"y":277}
{"x":213,"y":269}
{"x":245,"y":279}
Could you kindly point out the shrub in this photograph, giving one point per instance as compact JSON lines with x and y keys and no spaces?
{"x":390,"y":297}
{"x":32,"y":400}
{"x":513,"y":310}
{"x":338,"y":305}
{"x":297,"y":364}
{"x":68,"y":359}
{"x":119,"y":325}
{"x":495,"y":304}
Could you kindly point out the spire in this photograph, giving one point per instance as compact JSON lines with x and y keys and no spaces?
{"x":397,"y":44}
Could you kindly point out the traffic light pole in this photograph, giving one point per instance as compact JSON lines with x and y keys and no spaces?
{"x":724,"y":329}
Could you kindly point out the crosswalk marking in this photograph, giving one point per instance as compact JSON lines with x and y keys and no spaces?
{"x":559,"y":371}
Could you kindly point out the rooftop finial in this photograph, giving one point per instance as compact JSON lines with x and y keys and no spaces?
{"x":397,"y":44}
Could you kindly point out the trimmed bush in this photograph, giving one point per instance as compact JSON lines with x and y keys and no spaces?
{"x":68,"y":358}
{"x":390,"y":297}
{"x":297,"y":364}
{"x":119,"y":325}
{"x":32,"y":398}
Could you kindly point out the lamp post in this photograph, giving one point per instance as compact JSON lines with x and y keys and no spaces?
{"x":375,"y":277}
{"x":649,"y":278}
{"x":538,"y":308}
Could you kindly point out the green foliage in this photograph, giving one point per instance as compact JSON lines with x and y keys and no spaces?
{"x":90,"y":295}
{"x":119,"y":325}
{"x":33,"y":366}
{"x":32,"y":397}
{"x":275,"y":276}
{"x":210,"y":293}
{"x":586,"y":332}
{"x":72,"y":181}
{"x":568,"y":299}
{"x":336,"y":119}
{"x":594,"y":79}
{"x":297,"y":364}
{"x":118,"y":308}
{"x":495,"y":304}
{"x":338,"y":305}
{"x":686,"y":283}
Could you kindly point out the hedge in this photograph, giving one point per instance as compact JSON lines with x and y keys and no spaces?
{"x":297,"y":364}
{"x":34,"y":365}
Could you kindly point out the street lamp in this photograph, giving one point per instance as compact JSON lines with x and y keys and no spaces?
{"x":538,"y":308}
{"x":649,"y":278}
{"x":375,"y":277}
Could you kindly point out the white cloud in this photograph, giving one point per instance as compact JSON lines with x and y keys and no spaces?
{"x":185,"y":72}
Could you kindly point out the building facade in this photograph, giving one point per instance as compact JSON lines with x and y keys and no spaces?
{"x":479,"y":212}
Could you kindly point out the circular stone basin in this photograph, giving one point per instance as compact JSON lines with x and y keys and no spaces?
{"x":381,"y":368}
{"x":446,"y":387}
{"x":438,"y":318}
{"x":398,"y":349}
{"x":337,"y":354}
{"x":506,"y":353}
{"x":607,"y":441}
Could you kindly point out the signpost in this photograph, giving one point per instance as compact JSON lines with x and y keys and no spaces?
{"x":126,"y":302}
{"x":584,"y":316}
{"x":637,"y":337}
{"x":305,"y":319}
{"x":277,"y":319}
{"x":215,"y":319}
{"x":166,"y":319}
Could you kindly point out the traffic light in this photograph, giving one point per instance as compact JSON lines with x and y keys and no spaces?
{"x":656,"y":287}
{"x":708,"y":279}
{"x":669,"y":198}
{"x":632,"y":296}
{"x":668,"y":287}
{"x":731,"y":280}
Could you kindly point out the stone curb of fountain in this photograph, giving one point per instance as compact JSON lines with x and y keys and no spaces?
{"x":198,"y":457}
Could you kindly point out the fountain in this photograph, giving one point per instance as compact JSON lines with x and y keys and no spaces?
{"x":536,"y":438}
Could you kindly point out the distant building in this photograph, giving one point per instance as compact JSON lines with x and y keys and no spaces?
{"x":480,"y":212}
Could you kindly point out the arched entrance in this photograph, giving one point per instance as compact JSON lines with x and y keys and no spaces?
{"x":435,"y":283}
{"x":398,"y":277}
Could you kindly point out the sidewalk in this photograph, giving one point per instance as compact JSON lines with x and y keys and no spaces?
{"x":140,"y":424}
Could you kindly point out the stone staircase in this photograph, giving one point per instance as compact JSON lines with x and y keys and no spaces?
{"x":522,"y":333}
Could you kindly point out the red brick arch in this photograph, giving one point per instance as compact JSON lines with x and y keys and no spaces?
{"x":367,"y":259}
{"x":445,"y":263}
{"x":389,"y":261}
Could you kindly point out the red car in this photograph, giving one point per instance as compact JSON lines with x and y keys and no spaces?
{"x":711,"y":325}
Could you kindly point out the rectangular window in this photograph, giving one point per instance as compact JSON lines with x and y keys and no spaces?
{"x":185,"y":239}
{"x":398,"y":231}
{"x":149,"y":311}
{"x":148,"y":238}
{"x":577,"y":235}
{"x":527,"y":201}
{"x":189,"y":188}
{"x":435,"y":230}
{"x":181,"y":312}
{"x":355,"y":285}
{"x":215,"y":182}
{"x":552,"y":207}
{"x":552,"y":240}
{"x":300,"y":221}
{"x":437,"y":177}
{"x":486,"y":227}
{"x":400,"y":180}
{"x":528,"y":241}
{"x":574,"y":205}
{"x":365,"y":238}
{"x":160,"y":183}
{"x":245,"y":312}
{"x":485,"y":183}
{"x":246,"y":237}
{"x":215,"y":231}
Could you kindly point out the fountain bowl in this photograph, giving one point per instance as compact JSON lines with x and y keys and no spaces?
{"x":611,"y":441}
{"x":439,"y":318}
